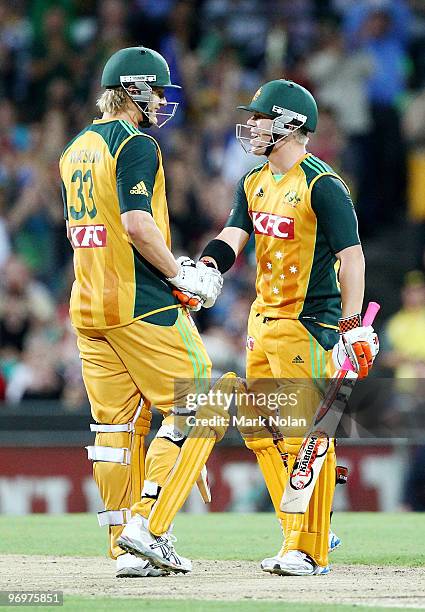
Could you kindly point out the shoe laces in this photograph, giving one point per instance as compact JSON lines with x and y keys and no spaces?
{"x":170,"y":535}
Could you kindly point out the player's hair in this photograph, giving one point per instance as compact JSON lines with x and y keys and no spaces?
{"x":112,"y":100}
{"x":301,"y":136}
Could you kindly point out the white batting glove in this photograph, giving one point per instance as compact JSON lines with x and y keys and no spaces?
{"x":197,"y":282}
{"x":211,"y":284}
{"x":187,"y":277}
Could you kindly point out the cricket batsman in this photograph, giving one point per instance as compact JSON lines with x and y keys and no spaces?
{"x":135,"y":338}
{"x":310,"y":283}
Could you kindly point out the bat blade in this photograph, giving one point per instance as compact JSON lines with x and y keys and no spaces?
{"x":312,"y":454}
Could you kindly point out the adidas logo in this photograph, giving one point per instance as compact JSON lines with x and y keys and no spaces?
{"x":260,"y":193}
{"x":298,"y":359}
{"x":139,"y":189}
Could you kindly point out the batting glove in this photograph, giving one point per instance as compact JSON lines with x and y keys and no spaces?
{"x":196,"y":282}
{"x":360,"y":344}
{"x":187,"y":277}
{"x":212,"y":283}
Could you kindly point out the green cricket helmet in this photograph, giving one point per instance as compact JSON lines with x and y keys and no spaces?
{"x":288,"y":104}
{"x":138,"y":70}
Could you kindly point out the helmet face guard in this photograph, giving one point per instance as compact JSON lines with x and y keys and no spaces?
{"x":144,"y":98}
{"x":285,"y":124}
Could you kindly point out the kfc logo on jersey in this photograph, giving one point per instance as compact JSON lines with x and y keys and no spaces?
{"x":273,"y":225}
{"x":88,"y":236}
{"x":250,"y":343}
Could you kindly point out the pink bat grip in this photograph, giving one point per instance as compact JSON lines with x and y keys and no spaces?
{"x":369,"y":317}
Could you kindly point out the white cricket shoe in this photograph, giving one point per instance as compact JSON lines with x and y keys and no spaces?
{"x":129,"y":566}
{"x":137,"y":540}
{"x":334,"y":541}
{"x":293,"y":563}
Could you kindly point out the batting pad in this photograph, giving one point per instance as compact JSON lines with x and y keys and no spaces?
{"x":193,"y":455}
{"x":309,"y":532}
{"x":270,"y":458}
{"x":120,"y":484}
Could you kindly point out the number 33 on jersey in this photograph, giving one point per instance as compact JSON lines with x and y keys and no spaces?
{"x":108,"y":169}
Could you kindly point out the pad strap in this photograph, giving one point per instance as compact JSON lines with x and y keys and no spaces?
{"x":122,"y":427}
{"x":109,"y":453}
{"x":150,"y":489}
{"x":113,"y":517}
{"x":101,"y":428}
{"x":171,"y":433}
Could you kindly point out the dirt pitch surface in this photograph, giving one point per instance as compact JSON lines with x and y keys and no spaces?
{"x":217,"y":580}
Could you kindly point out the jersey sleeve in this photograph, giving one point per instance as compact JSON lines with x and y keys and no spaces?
{"x":335,"y":213}
{"x":64,"y":200}
{"x":239,"y":215}
{"x":137,"y":165}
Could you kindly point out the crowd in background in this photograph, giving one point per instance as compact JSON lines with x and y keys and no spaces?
{"x":364,"y":60}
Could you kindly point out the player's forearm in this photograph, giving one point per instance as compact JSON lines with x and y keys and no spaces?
{"x":149,"y":242}
{"x":351,"y":278}
{"x":234,"y":239}
{"x":156,"y":252}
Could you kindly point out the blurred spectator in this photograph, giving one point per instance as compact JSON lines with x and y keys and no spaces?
{"x":5,"y":246}
{"x":339,"y":77}
{"x":51,"y":55}
{"x":35,"y":376}
{"x":381,"y":29}
{"x":414,"y":129}
{"x":414,"y":488}
{"x":37,"y":223}
{"x":189,"y":219}
{"x":328,"y":141}
{"x":15,"y":38}
{"x":404,"y":350}
{"x":404,"y":353}
{"x":24,"y":304}
{"x":417,"y":45}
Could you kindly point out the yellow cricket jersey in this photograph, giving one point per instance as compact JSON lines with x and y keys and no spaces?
{"x":300,"y":220}
{"x":108,"y":169}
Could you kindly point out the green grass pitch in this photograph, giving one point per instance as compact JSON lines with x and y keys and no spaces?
{"x":368,"y":538}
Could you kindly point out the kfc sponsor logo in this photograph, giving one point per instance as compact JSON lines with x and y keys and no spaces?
{"x":88,"y":236}
{"x":250,"y":343}
{"x":273,"y":225}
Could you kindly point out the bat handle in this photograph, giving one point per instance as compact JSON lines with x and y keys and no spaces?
{"x":185,"y":299}
{"x":371,"y":312}
{"x":369,"y":317}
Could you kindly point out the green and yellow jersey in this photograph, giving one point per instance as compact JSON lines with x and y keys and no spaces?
{"x":108,"y":169}
{"x":300,"y":220}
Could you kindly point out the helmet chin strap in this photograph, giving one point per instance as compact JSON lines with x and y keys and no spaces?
{"x":145,"y":122}
{"x":271,"y":146}
{"x":269,"y":149}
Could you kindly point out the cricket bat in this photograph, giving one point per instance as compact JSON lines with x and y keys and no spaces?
{"x":310,"y":458}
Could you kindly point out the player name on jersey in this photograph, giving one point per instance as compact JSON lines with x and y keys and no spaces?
{"x":88,"y":156}
{"x":269,"y":224}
